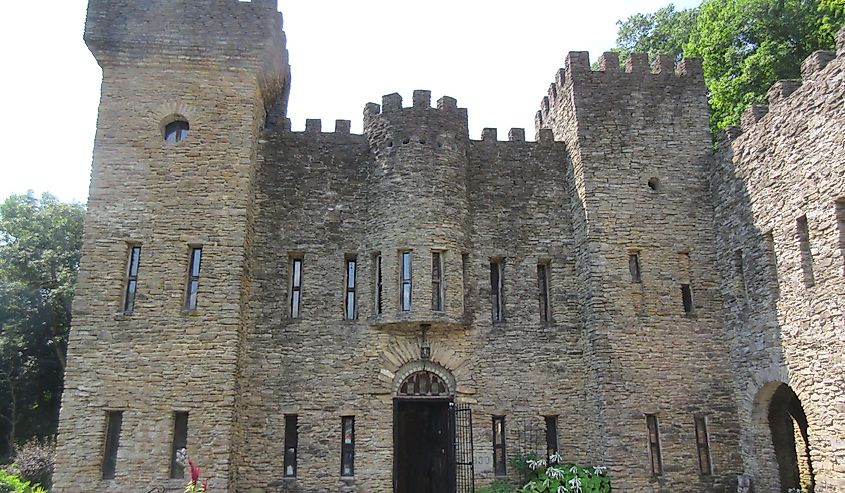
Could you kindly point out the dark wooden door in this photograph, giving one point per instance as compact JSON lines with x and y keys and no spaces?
{"x":422,"y":446}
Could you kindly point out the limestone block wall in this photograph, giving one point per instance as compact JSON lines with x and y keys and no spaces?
{"x":640,"y":145}
{"x":321,"y":367}
{"x":787,"y":161}
{"x":168,"y":198}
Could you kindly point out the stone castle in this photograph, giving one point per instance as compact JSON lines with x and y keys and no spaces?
{"x":408,"y":310}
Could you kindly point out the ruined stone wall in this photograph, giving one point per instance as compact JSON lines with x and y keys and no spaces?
{"x":639,"y":144}
{"x":161,"y":359}
{"x":788,"y":162}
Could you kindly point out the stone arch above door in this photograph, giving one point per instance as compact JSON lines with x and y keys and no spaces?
{"x":401,"y":357}
{"x":424,"y":369}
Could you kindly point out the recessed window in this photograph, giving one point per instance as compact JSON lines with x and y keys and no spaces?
{"x":347,"y":446}
{"x":291,"y":444}
{"x":803,"y":231}
{"x":131,"y":279}
{"x":437,"y":281}
{"x":176,"y":131}
{"x":634,"y":267}
{"x":705,"y":465}
{"x":350,"y":312}
{"x":405,"y":279}
{"x":114,"y":420}
{"x":543,"y":292}
{"x":686,"y":298}
{"x":500,"y":460}
{"x":180,"y":445}
{"x":295,"y":287}
{"x":739,"y":271}
{"x":378,"y":284}
{"x":551,"y":436}
{"x":193,"y":287}
{"x":497,"y":290}
{"x":654,"y":444}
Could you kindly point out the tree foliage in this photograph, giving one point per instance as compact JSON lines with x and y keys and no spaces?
{"x":663,"y":32}
{"x":747,"y":45}
{"x":40,"y":242}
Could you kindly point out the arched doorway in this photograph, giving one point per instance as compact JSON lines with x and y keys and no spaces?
{"x":423,"y":435}
{"x":788,"y":425}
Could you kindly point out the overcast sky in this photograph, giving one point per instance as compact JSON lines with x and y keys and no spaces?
{"x":497,"y":58}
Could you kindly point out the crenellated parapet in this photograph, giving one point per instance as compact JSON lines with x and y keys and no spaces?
{"x":611,"y":82}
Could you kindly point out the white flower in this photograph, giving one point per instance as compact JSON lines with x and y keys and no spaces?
{"x":562,"y":489}
{"x":555,"y":473}
{"x":575,"y":484}
{"x":599,"y":470}
{"x":573,"y":469}
{"x":555,"y":458}
{"x":536,"y":464}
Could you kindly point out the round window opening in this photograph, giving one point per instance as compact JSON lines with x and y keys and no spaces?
{"x":176,"y":131}
{"x":653,"y":183}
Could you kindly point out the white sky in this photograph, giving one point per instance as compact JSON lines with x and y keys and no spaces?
{"x":497,"y":58}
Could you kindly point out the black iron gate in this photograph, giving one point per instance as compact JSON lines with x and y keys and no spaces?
{"x":463,"y":454}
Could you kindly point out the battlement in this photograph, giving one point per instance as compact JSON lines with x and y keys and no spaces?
{"x":782,"y":92}
{"x":392,"y":103}
{"x":578,"y":73}
{"x":516,"y":135}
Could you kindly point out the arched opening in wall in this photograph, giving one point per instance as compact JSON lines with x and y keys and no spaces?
{"x":423,"y":434}
{"x":788,"y":425}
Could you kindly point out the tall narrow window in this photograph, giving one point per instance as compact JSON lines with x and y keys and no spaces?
{"x":772,"y":257}
{"x":840,"y":225}
{"x":351,"y":282}
{"x":703,"y":443}
{"x":131,"y":279}
{"x":654,"y":445}
{"x":347,"y":447}
{"x":295,"y":287}
{"x":551,"y":436}
{"x":465,"y":278}
{"x":291,"y":444}
{"x":543,"y":290}
{"x":634,"y":267}
{"x":686,"y":298}
{"x":114,"y":420}
{"x":193,"y":279}
{"x":739,"y":269}
{"x":405,"y":279}
{"x":437,"y":281}
{"x":180,"y":445}
{"x":500,"y":459}
{"x":378,"y":286}
{"x":806,"y":253}
{"x":497,"y":290}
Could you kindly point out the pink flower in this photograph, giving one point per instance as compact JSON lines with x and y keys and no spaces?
{"x":205,"y":485}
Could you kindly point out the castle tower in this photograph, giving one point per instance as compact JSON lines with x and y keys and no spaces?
{"x":646,"y":266}
{"x":419,"y":188}
{"x":160,"y":305}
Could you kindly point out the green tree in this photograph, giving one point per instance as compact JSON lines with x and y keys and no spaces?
{"x":40,"y":242}
{"x":747,"y":45}
{"x":666,"y":31}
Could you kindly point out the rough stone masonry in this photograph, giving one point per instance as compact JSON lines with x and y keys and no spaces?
{"x":614,"y":290}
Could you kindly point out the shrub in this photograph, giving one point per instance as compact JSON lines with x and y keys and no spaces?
{"x":12,"y":483}
{"x":554,"y":477}
{"x":34,"y":461}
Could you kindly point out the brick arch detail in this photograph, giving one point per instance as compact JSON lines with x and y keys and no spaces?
{"x":163,"y":113}
{"x":401,"y":358}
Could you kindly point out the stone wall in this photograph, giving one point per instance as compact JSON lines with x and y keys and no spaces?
{"x":640,"y":150}
{"x":787,"y":161}
{"x":161,"y":359}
